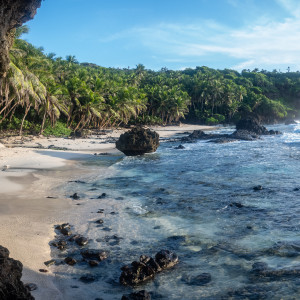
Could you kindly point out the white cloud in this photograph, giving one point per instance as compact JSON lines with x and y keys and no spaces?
{"x":292,"y":6}
{"x":264,"y":44}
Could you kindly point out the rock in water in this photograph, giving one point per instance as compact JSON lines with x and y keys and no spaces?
{"x":138,"y":141}
{"x":94,"y":254}
{"x":253,"y":126}
{"x":141,"y":295}
{"x":11,"y":286}
{"x":147,"y":267}
{"x":290,"y":121}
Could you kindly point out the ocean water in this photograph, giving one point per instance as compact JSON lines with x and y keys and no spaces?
{"x":200,"y":203}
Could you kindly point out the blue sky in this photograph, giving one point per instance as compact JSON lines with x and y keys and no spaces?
{"x":176,"y":34}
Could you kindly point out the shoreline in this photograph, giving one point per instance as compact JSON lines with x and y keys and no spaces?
{"x":32,"y":171}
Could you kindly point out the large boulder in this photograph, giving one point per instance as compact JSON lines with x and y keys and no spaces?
{"x":252,"y":125}
{"x":11,"y":286}
{"x":290,"y":121}
{"x":138,"y":141}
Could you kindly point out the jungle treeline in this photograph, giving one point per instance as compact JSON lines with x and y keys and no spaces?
{"x":42,"y":92}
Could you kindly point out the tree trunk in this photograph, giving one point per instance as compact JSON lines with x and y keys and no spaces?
{"x":25,"y":115}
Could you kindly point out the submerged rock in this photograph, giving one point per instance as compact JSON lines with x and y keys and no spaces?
{"x":11,"y":286}
{"x":147,"y":267}
{"x":87,"y":278}
{"x":180,"y":147}
{"x":201,"y":279}
{"x":257,"y":188}
{"x":236,"y":204}
{"x":138,"y":141}
{"x":94,"y":254}
{"x":141,"y":295}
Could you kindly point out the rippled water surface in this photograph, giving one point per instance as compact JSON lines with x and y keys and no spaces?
{"x":200,"y":203}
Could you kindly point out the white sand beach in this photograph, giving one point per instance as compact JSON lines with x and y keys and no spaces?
{"x":27,"y":215}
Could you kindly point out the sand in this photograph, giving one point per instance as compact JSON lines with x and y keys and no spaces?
{"x":30,"y":169}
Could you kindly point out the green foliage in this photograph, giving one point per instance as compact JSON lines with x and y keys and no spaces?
{"x":58,"y":130}
{"x":146,"y":120}
{"x":215,"y":119}
{"x":52,"y":95}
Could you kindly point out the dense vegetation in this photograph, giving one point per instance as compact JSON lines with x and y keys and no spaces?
{"x":42,"y":92}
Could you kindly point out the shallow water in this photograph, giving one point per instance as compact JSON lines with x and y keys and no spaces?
{"x":180,"y":200}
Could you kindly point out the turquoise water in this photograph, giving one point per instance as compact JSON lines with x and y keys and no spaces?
{"x":184,"y":200}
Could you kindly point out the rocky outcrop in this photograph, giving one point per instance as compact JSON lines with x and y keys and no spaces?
{"x":13,"y":13}
{"x":247,"y":129}
{"x":138,"y":141}
{"x":11,"y":286}
{"x":290,"y":122}
{"x":252,"y":125}
{"x":147,"y":267}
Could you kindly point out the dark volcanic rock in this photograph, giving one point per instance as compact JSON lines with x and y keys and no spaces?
{"x":141,"y":295}
{"x":50,"y":262}
{"x":81,"y":241}
{"x":257,"y":188}
{"x":236,"y":204}
{"x":166,"y":259}
{"x":13,"y":13}
{"x":11,"y":286}
{"x":244,"y":135}
{"x":259,"y":267}
{"x":102,"y":196}
{"x":147,"y":267}
{"x":94,"y":254}
{"x":290,"y":122}
{"x":252,"y":125}
{"x":138,"y":141}
{"x":93,"y":263}
{"x":197,"y":134}
{"x":180,"y":147}
{"x":201,"y":279}
{"x":70,"y":261}
{"x":75,"y":196}
{"x":87,"y":278}
{"x":31,"y":286}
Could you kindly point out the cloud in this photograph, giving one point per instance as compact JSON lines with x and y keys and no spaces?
{"x":291,"y":6}
{"x":266,"y":43}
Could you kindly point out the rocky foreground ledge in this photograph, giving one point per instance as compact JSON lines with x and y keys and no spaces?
{"x":11,"y":286}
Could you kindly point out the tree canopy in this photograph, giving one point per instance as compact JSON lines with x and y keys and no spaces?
{"x":42,"y":89}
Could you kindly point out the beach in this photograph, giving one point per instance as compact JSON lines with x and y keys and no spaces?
{"x":31,"y":168}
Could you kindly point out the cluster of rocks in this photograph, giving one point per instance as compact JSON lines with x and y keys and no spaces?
{"x":147,"y":267}
{"x":11,"y":286}
{"x":247,"y":129}
{"x":67,"y":238}
{"x":261,"y":271}
{"x":138,"y":141}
